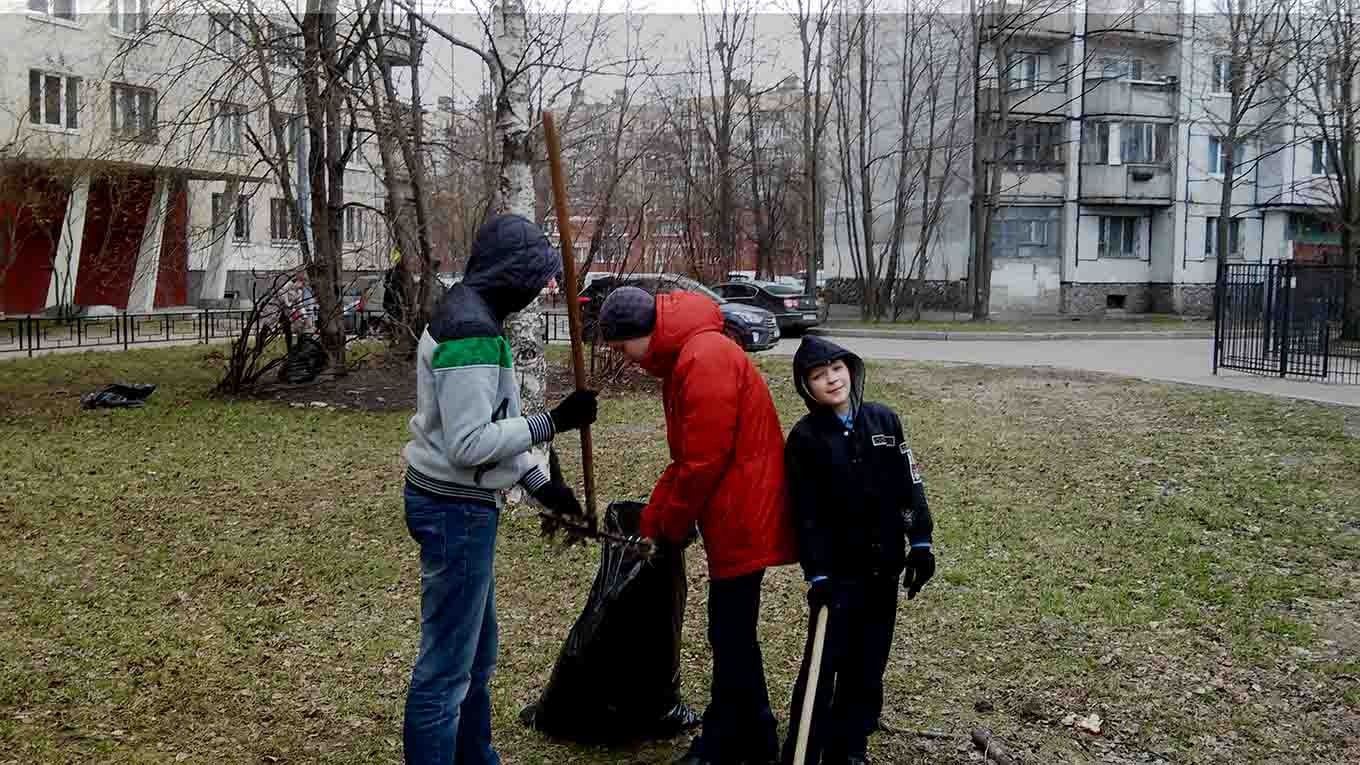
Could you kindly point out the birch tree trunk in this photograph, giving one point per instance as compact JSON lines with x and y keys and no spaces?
{"x":515,"y":189}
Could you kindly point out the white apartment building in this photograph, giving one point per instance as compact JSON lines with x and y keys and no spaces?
{"x":1113,"y":174}
{"x":130,"y":177}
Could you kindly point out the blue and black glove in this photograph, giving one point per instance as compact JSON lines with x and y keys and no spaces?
{"x":920,"y":568}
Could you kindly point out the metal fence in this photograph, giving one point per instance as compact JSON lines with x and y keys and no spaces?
{"x":32,"y":334}
{"x":1286,"y":320}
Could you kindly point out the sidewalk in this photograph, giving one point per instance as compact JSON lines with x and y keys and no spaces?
{"x":1015,"y":335}
{"x":844,"y":321}
{"x":1187,"y":362}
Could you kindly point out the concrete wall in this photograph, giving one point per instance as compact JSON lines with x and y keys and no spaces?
{"x":1029,"y":285}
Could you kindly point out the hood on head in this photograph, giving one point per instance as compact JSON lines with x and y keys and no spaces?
{"x":814,"y":352}
{"x":679,"y":316}
{"x":511,"y":263}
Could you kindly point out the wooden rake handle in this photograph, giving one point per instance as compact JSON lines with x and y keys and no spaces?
{"x":578,"y":362}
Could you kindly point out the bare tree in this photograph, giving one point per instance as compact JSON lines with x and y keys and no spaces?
{"x":1328,"y":67}
{"x":812,"y":20}
{"x":1250,"y":49}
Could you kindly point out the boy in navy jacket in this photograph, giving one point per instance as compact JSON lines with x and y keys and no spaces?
{"x":862,"y":518}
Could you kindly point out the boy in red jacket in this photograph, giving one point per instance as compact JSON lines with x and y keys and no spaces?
{"x":726,"y":475}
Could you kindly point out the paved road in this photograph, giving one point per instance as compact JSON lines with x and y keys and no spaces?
{"x":1176,"y":361}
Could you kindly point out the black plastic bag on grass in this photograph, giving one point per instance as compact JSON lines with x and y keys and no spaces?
{"x":617,"y":677}
{"x":118,"y":395}
{"x":305,"y":361}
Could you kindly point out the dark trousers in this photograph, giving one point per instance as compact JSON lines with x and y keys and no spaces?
{"x":738,"y":724}
{"x":859,"y":633}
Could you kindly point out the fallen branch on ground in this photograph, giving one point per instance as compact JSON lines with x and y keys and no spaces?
{"x":992,"y":748}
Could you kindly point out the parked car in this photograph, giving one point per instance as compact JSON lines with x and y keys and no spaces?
{"x":754,"y":328}
{"x":361,"y":305}
{"x":795,"y":311}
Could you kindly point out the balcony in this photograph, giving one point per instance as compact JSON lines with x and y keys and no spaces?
{"x":1139,"y":20}
{"x":1132,"y":98}
{"x":1032,"y":182}
{"x":1045,"y":98}
{"x":1029,"y":18}
{"x":1126,"y":184}
{"x":402,"y":37}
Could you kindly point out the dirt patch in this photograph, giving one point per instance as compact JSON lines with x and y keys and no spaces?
{"x":385,"y":382}
{"x":617,"y":382}
{"x":380,"y":382}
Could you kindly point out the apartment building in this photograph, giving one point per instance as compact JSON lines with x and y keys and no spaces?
{"x":1112,"y":169}
{"x":138,"y":167}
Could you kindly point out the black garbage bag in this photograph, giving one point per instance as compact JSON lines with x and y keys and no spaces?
{"x":305,"y":361}
{"x":118,"y":395}
{"x":617,"y":677}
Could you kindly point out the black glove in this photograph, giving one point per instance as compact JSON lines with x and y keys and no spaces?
{"x":920,"y":568}
{"x":558,"y":497}
{"x":820,"y":594}
{"x":577,"y":410}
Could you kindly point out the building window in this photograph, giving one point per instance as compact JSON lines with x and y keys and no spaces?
{"x":1118,"y":237}
{"x":61,"y":9}
{"x":1234,"y":238}
{"x":1024,"y":71}
{"x":240,"y":220}
{"x":1219,"y":152}
{"x":224,"y":32}
{"x":356,"y":224}
{"x":228,"y":127}
{"x":292,"y":133}
{"x":1323,"y":161}
{"x":1145,"y":142}
{"x":1035,"y":143}
{"x":1024,"y":232}
{"x":1222,"y":74}
{"x":284,"y":224}
{"x":53,"y":99}
{"x":134,"y":112}
{"x":129,"y":16}
{"x":1124,"y":68}
{"x":283,"y":47}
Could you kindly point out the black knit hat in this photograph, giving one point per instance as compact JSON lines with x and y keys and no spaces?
{"x":628,"y":313}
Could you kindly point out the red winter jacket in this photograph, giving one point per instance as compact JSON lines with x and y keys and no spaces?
{"x":727,"y":447}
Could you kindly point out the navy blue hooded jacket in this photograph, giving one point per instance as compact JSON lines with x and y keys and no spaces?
{"x":857,"y":494}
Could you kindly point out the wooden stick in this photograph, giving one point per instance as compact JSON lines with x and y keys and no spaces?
{"x":572,"y":293}
{"x":810,"y":692}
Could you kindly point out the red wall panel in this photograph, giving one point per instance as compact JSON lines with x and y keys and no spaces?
{"x":114,"y":218}
{"x":31,"y":211}
{"x":172,"y":280}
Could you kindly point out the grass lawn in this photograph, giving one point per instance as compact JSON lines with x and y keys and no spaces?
{"x":1142,"y":324}
{"x":231,"y":581}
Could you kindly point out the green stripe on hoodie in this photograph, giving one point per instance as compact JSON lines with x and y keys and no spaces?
{"x":472,"y":352}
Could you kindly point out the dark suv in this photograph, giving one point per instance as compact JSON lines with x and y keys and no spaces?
{"x":795,"y":311}
{"x":754,"y":328}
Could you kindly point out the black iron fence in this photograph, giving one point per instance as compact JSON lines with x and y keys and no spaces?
{"x":30,"y":335}
{"x":1286,"y":320}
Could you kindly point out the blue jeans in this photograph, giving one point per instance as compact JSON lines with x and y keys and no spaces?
{"x":448,"y":708}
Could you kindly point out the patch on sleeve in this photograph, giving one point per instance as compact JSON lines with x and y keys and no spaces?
{"x":885,"y":440}
{"x":913,"y":464}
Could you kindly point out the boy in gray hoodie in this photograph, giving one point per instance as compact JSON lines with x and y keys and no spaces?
{"x":469,"y":443}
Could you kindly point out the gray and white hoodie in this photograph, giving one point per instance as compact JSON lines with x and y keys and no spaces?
{"x":469,"y":441}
